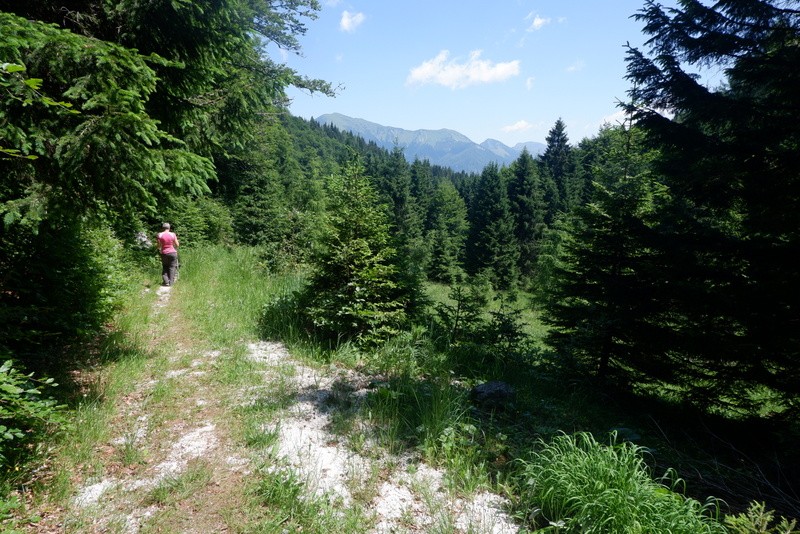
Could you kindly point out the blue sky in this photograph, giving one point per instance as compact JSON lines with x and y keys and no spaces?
{"x":505,"y":70}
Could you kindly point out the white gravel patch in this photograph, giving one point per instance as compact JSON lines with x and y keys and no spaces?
{"x":90,"y":495}
{"x":325,"y":466}
{"x":193,"y":445}
{"x":134,"y":520}
{"x":163,"y":293}
{"x":403,"y":501}
{"x":485,"y":513}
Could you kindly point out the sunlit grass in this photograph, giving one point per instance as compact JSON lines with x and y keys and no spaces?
{"x":229,"y":289}
{"x":575,"y":484}
{"x":176,"y":488}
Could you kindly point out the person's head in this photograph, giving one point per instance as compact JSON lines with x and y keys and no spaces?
{"x":165,"y":226}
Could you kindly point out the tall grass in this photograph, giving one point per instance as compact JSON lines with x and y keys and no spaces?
{"x":228,"y":288}
{"x":575,"y":484}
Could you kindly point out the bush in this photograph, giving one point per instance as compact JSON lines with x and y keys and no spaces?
{"x":759,"y":520}
{"x":575,"y":484}
{"x":24,"y":413}
{"x":60,"y":281}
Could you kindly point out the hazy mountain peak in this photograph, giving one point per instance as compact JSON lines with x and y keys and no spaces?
{"x":444,"y":147}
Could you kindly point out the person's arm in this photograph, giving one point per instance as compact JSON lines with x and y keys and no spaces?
{"x":158,"y":243}
{"x":176,"y":241}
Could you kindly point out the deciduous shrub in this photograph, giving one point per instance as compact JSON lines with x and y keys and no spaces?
{"x":24,"y":412}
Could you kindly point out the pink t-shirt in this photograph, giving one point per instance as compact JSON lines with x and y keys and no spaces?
{"x":168,"y":240}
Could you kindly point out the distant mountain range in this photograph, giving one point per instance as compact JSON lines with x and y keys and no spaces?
{"x":447,"y":148}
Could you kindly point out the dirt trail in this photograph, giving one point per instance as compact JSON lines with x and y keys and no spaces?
{"x":191,"y":440}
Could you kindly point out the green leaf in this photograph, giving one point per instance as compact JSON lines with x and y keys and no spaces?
{"x":34,"y":83}
{"x":12,"y":67}
{"x":10,"y":388}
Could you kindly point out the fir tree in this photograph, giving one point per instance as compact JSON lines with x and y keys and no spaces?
{"x":526,"y":195}
{"x":492,"y":246}
{"x":730,"y":233}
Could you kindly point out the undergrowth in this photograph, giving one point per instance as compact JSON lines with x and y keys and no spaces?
{"x":420,"y":402}
{"x":575,"y":484}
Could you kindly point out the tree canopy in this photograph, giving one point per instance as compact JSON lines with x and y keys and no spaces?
{"x":728,"y":232}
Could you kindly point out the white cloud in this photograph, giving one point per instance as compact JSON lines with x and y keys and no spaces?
{"x":575,"y":67}
{"x":351,"y":21}
{"x":519,"y":126}
{"x":537,"y":22}
{"x":529,"y":83}
{"x":615,"y":118}
{"x":450,"y":73}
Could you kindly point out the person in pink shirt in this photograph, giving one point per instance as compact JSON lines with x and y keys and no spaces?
{"x":168,"y":248}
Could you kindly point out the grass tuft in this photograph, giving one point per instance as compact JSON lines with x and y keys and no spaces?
{"x":173,"y":489}
{"x":286,"y":507}
{"x":575,"y":484}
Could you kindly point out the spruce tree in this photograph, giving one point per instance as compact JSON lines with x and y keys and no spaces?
{"x":492,"y":247}
{"x":355,"y":290}
{"x":602,"y":310}
{"x":423,"y":188}
{"x":729,"y":236}
{"x":528,"y":206}
{"x":447,"y":234}
{"x":558,"y":165}
{"x":108,"y":157}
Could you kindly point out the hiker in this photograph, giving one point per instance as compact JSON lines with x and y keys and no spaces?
{"x":168,"y":248}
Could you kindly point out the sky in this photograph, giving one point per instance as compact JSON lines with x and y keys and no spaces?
{"x":504,"y":70}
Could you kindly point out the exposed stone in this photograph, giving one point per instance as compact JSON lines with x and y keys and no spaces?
{"x":493,"y":395}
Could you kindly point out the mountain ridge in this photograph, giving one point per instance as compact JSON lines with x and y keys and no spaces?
{"x":444,"y":147}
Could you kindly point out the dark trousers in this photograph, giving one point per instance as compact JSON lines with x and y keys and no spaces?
{"x":169,"y":264}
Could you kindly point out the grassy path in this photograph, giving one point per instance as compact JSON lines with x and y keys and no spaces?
{"x":167,"y":458}
{"x":203,"y":428}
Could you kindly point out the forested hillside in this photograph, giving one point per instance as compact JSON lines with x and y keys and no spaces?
{"x":651,"y":266}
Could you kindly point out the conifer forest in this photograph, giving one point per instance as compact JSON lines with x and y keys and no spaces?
{"x":649,"y":270}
